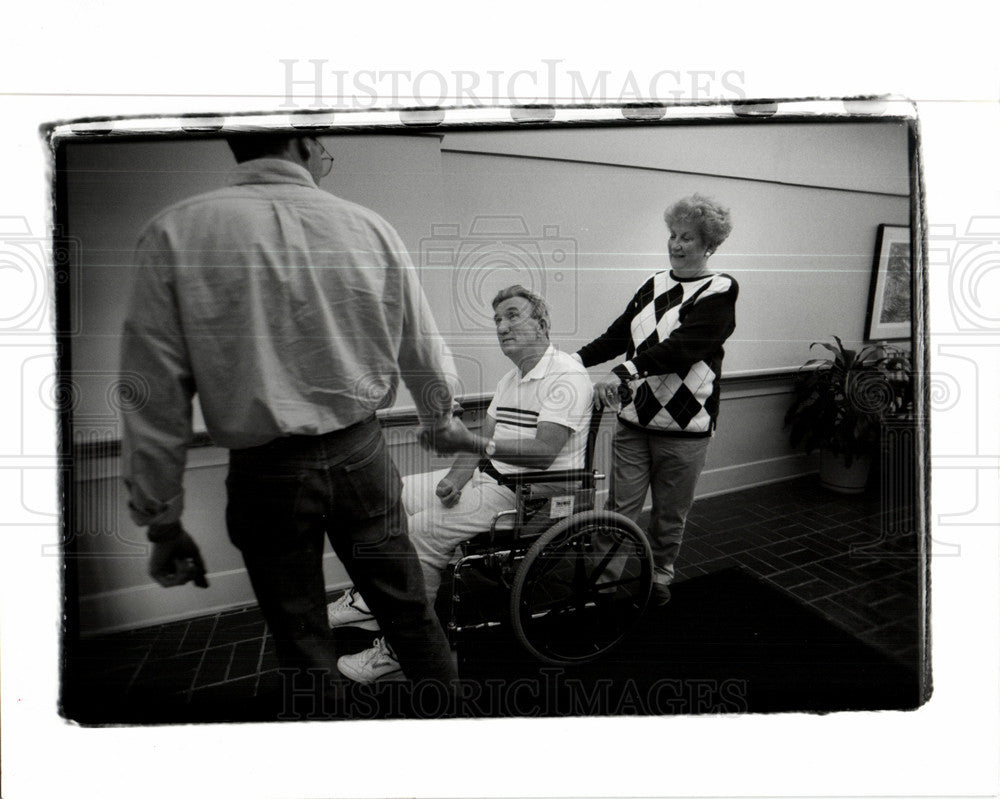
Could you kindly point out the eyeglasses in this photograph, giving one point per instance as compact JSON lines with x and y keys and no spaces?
{"x":326,"y":158}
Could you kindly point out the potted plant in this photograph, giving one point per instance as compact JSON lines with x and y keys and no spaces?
{"x":841,"y":403}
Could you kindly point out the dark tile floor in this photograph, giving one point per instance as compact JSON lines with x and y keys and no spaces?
{"x":833,"y":553}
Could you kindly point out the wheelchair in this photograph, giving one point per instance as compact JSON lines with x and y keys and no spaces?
{"x":571,"y":581}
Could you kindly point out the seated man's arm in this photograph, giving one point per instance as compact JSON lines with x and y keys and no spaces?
{"x":532,"y":453}
{"x":461,"y":471}
{"x":566,"y":408}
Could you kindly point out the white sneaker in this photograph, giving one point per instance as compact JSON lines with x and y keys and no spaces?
{"x":370,"y":665}
{"x":349,"y":610}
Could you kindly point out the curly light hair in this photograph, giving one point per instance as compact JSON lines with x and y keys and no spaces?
{"x":539,"y":308}
{"x":711,"y":219}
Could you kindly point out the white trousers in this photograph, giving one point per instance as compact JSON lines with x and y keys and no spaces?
{"x":436,"y":531}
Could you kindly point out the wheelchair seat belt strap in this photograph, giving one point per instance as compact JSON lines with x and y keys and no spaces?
{"x":486,"y":467}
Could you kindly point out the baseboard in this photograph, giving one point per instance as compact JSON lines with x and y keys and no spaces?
{"x":730,"y":479}
{"x":727,"y":479}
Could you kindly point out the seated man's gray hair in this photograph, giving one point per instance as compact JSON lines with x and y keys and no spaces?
{"x":539,"y":308}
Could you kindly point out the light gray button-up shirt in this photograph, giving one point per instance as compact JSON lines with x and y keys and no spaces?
{"x":287,"y":309}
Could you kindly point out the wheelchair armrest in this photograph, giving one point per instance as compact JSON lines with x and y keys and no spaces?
{"x":561,"y":476}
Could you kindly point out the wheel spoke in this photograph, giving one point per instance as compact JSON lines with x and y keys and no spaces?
{"x":581,"y":587}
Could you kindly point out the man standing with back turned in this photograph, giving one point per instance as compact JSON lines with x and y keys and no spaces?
{"x":292,"y":314}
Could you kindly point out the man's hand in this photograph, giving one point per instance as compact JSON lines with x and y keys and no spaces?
{"x":449,"y":439}
{"x":448,"y":492}
{"x":177,"y":561}
{"x":608,"y":391}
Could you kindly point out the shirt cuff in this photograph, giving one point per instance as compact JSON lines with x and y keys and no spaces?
{"x":626,"y":371}
{"x":161,"y":533}
{"x":576,"y":357}
{"x":145,"y":511}
{"x":438,"y":421}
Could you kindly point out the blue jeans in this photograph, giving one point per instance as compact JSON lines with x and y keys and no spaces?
{"x":284,"y":497}
{"x":670,"y":466}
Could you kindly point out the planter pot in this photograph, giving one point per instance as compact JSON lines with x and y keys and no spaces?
{"x":835,"y":475}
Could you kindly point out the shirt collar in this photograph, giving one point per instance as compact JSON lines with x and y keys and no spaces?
{"x":270,"y":170}
{"x":541,"y":368}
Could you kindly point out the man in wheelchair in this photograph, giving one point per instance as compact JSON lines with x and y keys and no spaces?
{"x":537,"y":421}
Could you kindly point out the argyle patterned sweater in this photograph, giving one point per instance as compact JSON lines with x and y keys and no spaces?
{"x":672,"y":334}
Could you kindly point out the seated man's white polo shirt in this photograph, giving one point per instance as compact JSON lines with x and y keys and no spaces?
{"x":558,"y":390}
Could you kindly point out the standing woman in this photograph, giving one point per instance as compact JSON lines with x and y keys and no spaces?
{"x":671,"y":335}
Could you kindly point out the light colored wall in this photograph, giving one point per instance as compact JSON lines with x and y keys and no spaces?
{"x":801,"y":254}
{"x":846,"y":155}
{"x":806,"y":202}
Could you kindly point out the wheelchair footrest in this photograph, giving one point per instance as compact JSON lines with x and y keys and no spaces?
{"x":481,"y":587}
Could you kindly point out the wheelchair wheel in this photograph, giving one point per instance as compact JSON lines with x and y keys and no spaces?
{"x":581,"y":587}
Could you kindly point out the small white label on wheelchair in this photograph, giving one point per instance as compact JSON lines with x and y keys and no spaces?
{"x":560,"y":507}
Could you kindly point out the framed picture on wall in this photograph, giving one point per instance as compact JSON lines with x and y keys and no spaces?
{"x":889,"y":294}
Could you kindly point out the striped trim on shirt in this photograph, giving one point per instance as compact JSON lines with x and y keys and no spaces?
{"x":517,"y":417}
